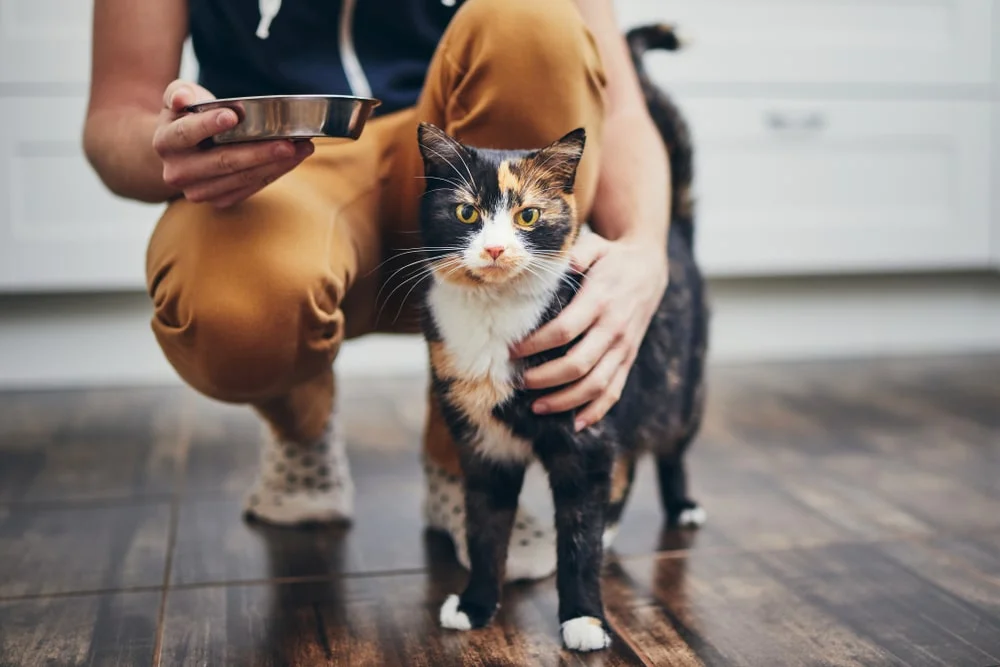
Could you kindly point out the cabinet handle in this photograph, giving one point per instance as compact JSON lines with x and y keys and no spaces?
{"x":780,"y":121}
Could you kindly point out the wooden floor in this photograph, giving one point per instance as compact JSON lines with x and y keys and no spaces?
{"x":854,"y":519}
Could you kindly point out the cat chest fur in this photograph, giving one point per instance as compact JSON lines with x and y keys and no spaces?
{"x":476,"y":328}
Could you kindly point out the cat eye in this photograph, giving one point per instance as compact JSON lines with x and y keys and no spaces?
{"x":467,"y":213}
{"x":528,"y":217}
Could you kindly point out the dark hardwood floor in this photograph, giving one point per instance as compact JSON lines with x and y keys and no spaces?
{"x":854,"y":519}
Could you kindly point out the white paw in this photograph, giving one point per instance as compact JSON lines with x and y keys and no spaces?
{"x":451,"y":617}
{"x":608,"y":538}
{"x":692,"y":518}
{"x":288,"y":508}
{"x":585,"y":634}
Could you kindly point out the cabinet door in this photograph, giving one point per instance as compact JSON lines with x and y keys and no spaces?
{"x":59,"y":227}
{"x":793,"y":186}
{"x":823,"y":41}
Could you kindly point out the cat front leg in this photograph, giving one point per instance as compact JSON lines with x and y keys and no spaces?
{"x":491,"y":494}
{"x":580,"y":477}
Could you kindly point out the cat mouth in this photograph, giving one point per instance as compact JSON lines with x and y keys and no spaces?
{"x":495,"y":272}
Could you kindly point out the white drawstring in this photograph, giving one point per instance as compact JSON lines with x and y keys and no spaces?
{"x":268,"y":10}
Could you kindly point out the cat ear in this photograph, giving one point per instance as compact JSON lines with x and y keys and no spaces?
{"x":439,"y":151}
{"x":561,"y":158}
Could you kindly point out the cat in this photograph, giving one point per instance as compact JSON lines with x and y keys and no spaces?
{"x":497,"y":227}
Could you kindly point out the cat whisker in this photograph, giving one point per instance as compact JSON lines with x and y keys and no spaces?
{"x":453,"y":263}
{"x":410,"y":251}
{"x":418,"y":276}
{"x":464,"y":164}
{"x":388,"y":280}
{"x":448,"y":162}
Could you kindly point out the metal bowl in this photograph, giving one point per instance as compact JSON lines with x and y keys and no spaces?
{"x":292,"y":117}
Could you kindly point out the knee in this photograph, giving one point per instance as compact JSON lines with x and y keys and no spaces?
{"x":248,"y":340}
{"x":528,"y":37}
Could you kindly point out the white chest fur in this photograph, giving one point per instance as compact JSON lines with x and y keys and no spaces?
{"x":478,"y":325}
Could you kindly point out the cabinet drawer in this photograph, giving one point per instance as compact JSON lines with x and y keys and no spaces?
{"x":59,"y":227}
{"x":792,"y":186}
{"x":824,"y":41}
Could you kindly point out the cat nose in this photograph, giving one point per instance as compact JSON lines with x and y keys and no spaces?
{"x":494,"y":251}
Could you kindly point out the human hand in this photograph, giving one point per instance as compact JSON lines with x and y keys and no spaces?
{"x":623,"y":287}
{"x":222,"y":175}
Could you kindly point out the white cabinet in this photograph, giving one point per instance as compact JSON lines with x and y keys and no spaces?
{"x":793,"y":186}
{"x":59,"y":226}
{"x":823,"y":41}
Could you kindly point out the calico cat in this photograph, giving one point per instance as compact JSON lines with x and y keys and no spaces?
{"x":497,"y":227}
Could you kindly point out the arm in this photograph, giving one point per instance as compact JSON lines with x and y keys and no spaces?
{"x":138,"y":137}
{"x":633,"y":194}
{"x":136,"y":53}
{"x":628,"y":255}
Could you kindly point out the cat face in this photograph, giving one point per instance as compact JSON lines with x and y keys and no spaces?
{"x":491,"y":216}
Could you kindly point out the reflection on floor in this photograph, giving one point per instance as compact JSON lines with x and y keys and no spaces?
{"x":854,"y":520}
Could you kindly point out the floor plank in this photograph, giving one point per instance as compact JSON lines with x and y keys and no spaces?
{"x":87,"y":445}
{"x":731,"y":611}
{"x":109,"y":630}
{"x":95,"y":548}
{"x":852,"y":521}
{"x":388,"y":620}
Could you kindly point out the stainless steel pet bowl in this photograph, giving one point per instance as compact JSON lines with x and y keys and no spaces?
{"x":292,"y":116}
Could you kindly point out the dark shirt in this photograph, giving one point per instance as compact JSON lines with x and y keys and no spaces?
{"x":382,"y":51}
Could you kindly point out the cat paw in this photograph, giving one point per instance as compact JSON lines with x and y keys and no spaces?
{"x":456,"y":615}
{"x":451,"y":617}
{"x":688,"y":515}
{"x":585,"y":633}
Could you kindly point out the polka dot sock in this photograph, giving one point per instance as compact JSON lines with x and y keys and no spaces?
{"x":532,"y":551}
{"x":303,"y":482}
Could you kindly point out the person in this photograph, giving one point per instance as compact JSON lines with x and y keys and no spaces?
{"x":270,"y":254}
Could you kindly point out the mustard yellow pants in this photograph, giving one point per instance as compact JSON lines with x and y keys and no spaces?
{"x":252,"y":302}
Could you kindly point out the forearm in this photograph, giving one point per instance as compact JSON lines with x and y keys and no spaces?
{"x":119,"y":145}
{"x":633,"y":189}
{"x":633,"y":192}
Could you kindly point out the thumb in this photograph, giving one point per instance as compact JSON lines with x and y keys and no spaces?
{"x":181,"y":94}
{"x":589,"y":248}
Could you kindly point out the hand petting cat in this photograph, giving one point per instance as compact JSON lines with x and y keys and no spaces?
{"x":626,"y":270}
{"x":623,"y":287}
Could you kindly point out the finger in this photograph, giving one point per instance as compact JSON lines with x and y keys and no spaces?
{"x":574,"y":365}
{"x":188,"y":131}
{"x":256,"y":178}
{"x":205,"y":165}
{"x":576,"y":318}
{"x":180,"y":94}
{"x":595,"y":412}
{"x":587,"y":250}
{"x":586,"y":390}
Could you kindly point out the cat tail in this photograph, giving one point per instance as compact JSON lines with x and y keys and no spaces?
{"x":669,"y":121}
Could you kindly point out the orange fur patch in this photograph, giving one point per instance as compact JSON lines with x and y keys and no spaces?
{"x":620,"y":477}
{"x":475,"y":398}
{"x":507,"y":180}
